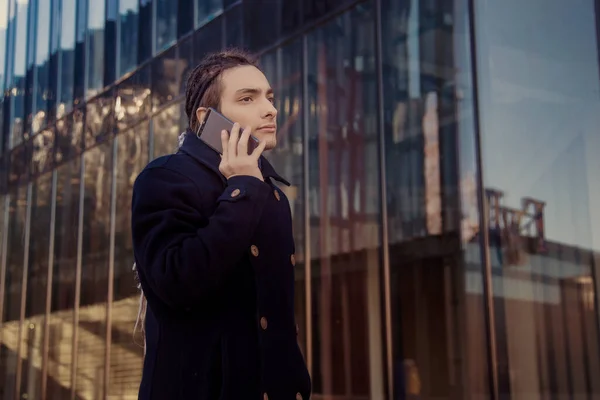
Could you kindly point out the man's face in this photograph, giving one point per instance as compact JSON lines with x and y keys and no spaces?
{"x":247,"y":98}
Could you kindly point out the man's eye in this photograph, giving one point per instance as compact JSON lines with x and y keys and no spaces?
{"x":272,"y":100}
{"x":246,"y":99}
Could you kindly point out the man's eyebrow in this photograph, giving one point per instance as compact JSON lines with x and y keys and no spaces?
{"x":253,"y":91}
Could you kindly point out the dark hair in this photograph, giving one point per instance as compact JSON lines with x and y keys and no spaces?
{"x":203,"y":87}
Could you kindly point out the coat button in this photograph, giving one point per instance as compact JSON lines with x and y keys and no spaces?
{"x":235,"y":193}
{"x":277,"y":196}
{"x":254,"y":250}
{"x":298,"y":396}
{"x":263,"y":323}
{"x":293,"y":260}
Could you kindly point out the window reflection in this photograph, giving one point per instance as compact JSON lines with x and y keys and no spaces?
{"x":126,"y":351}
{"x":208,"y":10}
{"x":166,"y":23}
{"x":42,"y":61}
{"x":42,"y":156}
{"x":3,"y":34}
{"x":128,"y":35}
{"x":166,"y":130}
{"x":98,"y":172}
{"x":60,"y":329}
{"x":283,"y":69}
{"x":18,"y":73}
{"x":166,"y":77}
{"x":99,"y":119}
{"x":540,"y":143}
{"x":345,"y":243}
{"x":435,"y":324}
{"x":95,"y":47}
{"x":37,"y":281}
{"x":208,"y":39}
{"x":234,"y":23}
{"x":134,"y":99}
{"x":67,"y":56}
{"x":12,"y":291}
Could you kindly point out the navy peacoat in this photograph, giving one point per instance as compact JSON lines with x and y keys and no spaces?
{"x":215,"y":259}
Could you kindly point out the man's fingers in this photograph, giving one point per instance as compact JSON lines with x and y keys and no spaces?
{"x":242,"y":148}
{"x":225,"y":144}
{"x":233,"y":139}
{"x":259,"y":149}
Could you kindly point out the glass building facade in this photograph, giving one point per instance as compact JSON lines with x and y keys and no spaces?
{"x":441,"y":154}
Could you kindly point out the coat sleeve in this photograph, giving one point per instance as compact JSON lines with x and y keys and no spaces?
{"x":184,"y":256}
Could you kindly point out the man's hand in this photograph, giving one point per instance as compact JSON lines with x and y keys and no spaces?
{"x":236,"y":160}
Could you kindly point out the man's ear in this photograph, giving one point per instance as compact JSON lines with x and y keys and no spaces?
{"x":200,"y":114}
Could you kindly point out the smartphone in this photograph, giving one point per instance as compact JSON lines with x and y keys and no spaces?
{"x":211,"y":127}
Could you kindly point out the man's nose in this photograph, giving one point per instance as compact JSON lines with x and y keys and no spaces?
{"x":270,"y":110}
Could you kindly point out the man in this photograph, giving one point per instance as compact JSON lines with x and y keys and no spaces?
{"x":213,"y":245}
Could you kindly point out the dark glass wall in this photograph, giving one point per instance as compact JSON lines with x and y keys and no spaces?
{"x":539,"y":96}
{"x":441,"y":160}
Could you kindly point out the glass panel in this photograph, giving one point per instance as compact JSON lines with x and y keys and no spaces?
{"x":3,"y":35}
{"x":60,"y":330}
{"x":234,"y":26}
{"x":126,"y":354}
{"x":540,"y":112}
{"x":208,"y":10}
{"x":67,"y":57}
{"x":437,"y":318}
{"x":262,"y":28}
{"x":166,"y":78}
{"x":283,"y":69}
{"x":53,"y":85}
{"x":12,"y":291}
{"x":19,"y":70}
{"x":69,"y":133}
{"x":166,"y":130}
{"x":208,"y":39}
{"x":37,"y":282}
{"x":186,"y":52}
{"x":80,"y":53}
{"x":129,"y":17}
{"x":95,"y":47}
{"x":28,"y":88}
{"x":348,"y":357}
{"x":94,"y":271}
{"x":134,"y":99}
{"x":110,"y":44}
{"x":42,"y":155}
{"x":185,"y":17}
{"x":145,"y":36}
{"x":42,"y":65}
{"x":18,"y":164}
{"x":99,"y":119}
{"x":166,"y":23}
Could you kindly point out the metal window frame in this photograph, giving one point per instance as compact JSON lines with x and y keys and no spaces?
{"x":49,"y":283}
{"x":490,"y":323}
{"x":385,"y":252}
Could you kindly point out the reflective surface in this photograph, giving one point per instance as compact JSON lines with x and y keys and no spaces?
{"x":64,"y":270}
{"x":95,"y":47}
{"x":37,"y":284}
{"x":379,"y":120}
{"x":540,"y":112}
{"x":285,"y":75}
{"x":13,"y":281}
{"x":126,"y":351}
{"x":345,"y":241}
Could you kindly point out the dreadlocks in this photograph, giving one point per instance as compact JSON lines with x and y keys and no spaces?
{"x":203,"y":84}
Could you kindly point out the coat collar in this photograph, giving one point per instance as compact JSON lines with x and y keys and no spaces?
{"x":205,"y":155}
